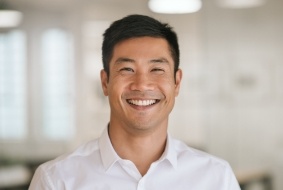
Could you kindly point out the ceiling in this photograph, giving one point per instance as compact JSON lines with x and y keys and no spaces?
{"x":65,"y":4}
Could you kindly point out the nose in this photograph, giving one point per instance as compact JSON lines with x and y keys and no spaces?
{"x":142,"y":82}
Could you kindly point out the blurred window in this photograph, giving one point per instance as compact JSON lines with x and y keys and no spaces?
{"x":13,"y":85}
{"x":57,"y":84}
{"x":56,"y":79}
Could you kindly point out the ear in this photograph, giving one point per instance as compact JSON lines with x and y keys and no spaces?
{"x":104,"y":81}
{"x":178,"y":79}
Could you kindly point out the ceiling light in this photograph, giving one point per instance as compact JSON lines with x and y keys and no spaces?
{"x":10,"y":18}
{"x":240,"y":3}
{"x":174,"y":6}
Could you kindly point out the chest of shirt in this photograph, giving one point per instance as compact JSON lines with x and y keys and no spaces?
{"x":160,"y":176}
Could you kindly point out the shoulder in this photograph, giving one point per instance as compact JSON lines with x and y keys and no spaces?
{"x":199,"y":166}
{"x":67,"y":161}
{"x":52,"y":174}
{"x":199,"y":158}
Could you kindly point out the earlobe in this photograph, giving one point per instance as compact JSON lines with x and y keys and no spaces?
{"x":178,"y":79}
{"x":104,"y":81}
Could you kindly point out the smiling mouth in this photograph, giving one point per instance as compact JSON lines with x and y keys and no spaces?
{"x":142,"y":102}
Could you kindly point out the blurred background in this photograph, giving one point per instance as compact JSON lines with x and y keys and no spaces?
{"x":231,"y":100}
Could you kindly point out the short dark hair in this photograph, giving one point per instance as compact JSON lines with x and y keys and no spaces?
{"x":133,"y":26}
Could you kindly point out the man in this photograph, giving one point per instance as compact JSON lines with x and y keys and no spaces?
{"x":141,"y":78}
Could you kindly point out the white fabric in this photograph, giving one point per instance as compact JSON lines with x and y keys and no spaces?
{"x":96,"y":166}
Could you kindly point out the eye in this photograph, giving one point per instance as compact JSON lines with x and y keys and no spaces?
{"x":126,"y":69}
{"x":158,"y":70}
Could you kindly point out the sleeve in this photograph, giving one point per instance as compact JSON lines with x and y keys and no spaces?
{"x":41,"y":180}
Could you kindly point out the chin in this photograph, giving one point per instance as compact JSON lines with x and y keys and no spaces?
{"x":142,"y":126}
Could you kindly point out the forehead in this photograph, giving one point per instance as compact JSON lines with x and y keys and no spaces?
{"x":143,"y":47}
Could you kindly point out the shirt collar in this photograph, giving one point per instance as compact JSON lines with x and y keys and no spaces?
{"x":170,"y":152}
{"x":109,"y":155}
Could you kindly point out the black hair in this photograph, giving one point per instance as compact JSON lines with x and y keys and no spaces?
{"x":133,"y":26}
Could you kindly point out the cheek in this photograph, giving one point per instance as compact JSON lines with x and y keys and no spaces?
{"x":168,"y":90}
{"x":115,"y":89}
{"x":167,"y":82}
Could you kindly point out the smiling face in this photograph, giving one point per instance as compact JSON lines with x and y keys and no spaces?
{"x":141,"y":86}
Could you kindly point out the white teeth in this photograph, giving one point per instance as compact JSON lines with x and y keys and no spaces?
{"x":142,"y":102}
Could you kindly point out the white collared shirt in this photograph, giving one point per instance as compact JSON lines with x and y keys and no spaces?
{"x":96,"y":166}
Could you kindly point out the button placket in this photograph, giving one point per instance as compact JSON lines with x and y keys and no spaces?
{"x":131,"y":169}
{"x":141,"y":184}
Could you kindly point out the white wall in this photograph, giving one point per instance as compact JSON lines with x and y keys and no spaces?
{"x":244,"y":50}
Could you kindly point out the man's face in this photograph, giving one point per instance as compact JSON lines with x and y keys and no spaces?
{"x":141,"y":86}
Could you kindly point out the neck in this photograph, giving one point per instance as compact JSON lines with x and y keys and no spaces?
{"x":142,"y":149}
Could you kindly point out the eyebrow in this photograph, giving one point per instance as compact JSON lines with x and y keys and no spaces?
{"x":124,"y":59}
{"x":159,"y":60}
